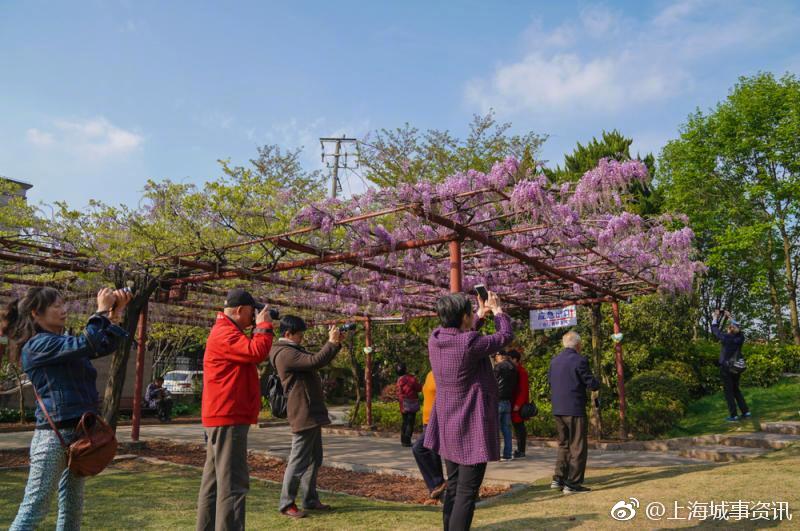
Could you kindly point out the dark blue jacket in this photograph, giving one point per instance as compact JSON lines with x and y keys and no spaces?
{"x":60,"y":370}
{"x":569,"y":378}
{"x":731,"y":344}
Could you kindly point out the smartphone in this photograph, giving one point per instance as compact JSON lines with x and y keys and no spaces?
{"x":480,"y":289}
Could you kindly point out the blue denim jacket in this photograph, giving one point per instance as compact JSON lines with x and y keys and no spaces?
{"x":59,"y":368}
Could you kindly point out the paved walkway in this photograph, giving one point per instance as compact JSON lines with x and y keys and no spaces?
{"x":387,"y":454}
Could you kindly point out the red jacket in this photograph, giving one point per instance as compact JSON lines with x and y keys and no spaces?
{"x":521,"y":394}
{"x":231,"y":391}
{"x":408,"y":387}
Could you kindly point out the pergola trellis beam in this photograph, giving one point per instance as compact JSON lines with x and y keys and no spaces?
{"x":522,"y":257}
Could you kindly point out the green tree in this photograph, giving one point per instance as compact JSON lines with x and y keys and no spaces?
{"x":612,"y":145}
{"x":134,"y":244}
{"x":406,"y":155}
{"x":736,"y":172}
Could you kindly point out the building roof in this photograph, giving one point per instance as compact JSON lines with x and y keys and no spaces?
{"x":23,"y":184}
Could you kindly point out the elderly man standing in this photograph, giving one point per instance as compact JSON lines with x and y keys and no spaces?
{"x":569,"y":378}
{"x":231,"y":402}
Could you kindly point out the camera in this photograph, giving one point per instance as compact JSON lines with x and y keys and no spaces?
{"x":349,"y":327}
{"x":274,"y":314}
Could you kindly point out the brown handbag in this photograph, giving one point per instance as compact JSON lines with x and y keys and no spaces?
{"x":95,"y":447}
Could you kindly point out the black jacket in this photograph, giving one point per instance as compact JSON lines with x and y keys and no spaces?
{"x":569,"y":377}
{"x":731,"y":344}
{"x":506,"y":375}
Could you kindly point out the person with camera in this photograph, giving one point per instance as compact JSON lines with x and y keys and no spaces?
{"x":570,"y":377}
{"x":230,"y":404}
{"x":298,"y":370}
{"x":463,"y":425}
{"x":731,"y":364}
{"x":60,"y":369}
{"x":408,"y":388}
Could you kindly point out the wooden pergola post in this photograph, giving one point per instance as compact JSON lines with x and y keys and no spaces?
{"x":141,"y":349}
{"x":620,"y":371}
{"x":455,"y":267}
{"x":368,"y":369}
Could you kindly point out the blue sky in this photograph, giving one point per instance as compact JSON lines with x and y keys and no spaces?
{"x":98,"y":96}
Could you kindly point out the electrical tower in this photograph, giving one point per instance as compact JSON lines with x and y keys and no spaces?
{"x":340,"y":158}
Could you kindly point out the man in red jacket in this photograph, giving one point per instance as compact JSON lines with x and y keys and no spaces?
{"x":231,"y":402}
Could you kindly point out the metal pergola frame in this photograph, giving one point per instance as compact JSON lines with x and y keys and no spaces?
{"x":457,"y":251}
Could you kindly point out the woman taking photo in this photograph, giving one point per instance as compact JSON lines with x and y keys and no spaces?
{"x":463,"y":425}
{"x":59,"y":369}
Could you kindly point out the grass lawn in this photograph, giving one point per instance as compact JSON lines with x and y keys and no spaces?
{"x":707,"y":415}
{"x":142,"y":496}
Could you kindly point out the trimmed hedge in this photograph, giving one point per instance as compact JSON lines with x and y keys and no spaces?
{"x":654,"y":417}
{"x":685,"y":373}
{"x":385,"y":415}
{"x":654,"y":385}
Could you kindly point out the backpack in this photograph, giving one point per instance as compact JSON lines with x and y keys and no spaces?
{"x":278,"y":398}
{"x":736,"y":363}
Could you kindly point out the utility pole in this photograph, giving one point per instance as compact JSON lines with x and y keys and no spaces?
{"x":337,"y":155}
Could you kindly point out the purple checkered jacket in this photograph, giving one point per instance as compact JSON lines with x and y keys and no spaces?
{"x":463,"y":426}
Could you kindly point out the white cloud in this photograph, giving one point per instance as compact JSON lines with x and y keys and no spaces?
{"x":676,"y":12}
{"x":565,"y":81}
{"x":605,"y":61}
{"x":38,"y":138}
{"x":91,"y":139}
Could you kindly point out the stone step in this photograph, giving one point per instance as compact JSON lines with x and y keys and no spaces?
{"x":720,"y":453}
{"x":787,"y":427}
{"x":762,"y":439}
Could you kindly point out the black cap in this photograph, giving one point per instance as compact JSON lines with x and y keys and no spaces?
{"x":239,"y":297}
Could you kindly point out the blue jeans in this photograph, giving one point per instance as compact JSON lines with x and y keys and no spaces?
{"x":48,"y":472}
{"x":504,"y":408}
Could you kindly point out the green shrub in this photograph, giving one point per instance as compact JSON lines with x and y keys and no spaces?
{"x":654,"y":417}
{"x":386,"y":416}
{"x":790,"y":354}
{"x":684,"y":372}
{"x":9,"y":415}
{"x":389,"y":394}
{"x":543,"y":424}
{"x":790,"y":357}
{"x":764,"y":365}
{"x":186,"y":410}
{"x":653,"y":385}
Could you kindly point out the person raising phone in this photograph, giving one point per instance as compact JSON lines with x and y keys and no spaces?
{"x":62,"y":374}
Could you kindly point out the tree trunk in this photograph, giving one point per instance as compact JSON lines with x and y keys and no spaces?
{"x":777,"y":310}
{"x":119,"y":365}
{"x":791,"y":287}
{"x":355,"y":372}
{"x":596,"y":421}
{"x":119,"y":361}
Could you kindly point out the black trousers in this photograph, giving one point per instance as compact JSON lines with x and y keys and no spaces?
{"x":733,"y":396}
{"x":407,"y":429}
{"x":164,"y":408}
{"x":463,"y":487}
{"x":521,"y":433}
{"x":428,"y":462}
{"x":573,"y":449}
